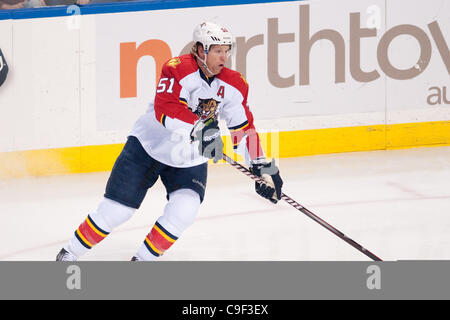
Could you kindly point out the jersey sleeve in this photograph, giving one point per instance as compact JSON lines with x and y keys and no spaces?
{"x":171,"y":108}
{"x":240,"y":123}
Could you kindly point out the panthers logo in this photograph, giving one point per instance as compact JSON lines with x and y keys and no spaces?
{"x":207,"y":108}
{"x":174,"y":62}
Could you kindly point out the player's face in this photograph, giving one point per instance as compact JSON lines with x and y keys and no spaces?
{"x":216,"y":58}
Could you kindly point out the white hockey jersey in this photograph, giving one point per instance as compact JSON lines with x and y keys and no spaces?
{"x":183,"y":90}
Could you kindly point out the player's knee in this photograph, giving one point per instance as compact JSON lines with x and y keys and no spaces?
{"x":110,"y":214}
{"x":182,"y":209}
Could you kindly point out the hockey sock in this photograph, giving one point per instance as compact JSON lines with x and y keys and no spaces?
{"x":156,"y":243}
{"x":98,"y":225}
{"x":179,"y":214}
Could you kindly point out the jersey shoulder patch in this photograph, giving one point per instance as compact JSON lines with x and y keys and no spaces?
{"x":180,"y":66}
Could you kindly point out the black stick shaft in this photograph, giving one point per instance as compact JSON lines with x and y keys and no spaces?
{"x":301,"y":208}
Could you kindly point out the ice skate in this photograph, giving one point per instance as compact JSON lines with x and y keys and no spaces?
{"x":65,"y":255}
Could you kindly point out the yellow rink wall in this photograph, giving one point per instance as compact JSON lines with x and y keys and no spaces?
{"x":283,"y":144}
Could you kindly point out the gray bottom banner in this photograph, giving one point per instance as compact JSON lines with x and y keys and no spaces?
{"x":237,"y":280}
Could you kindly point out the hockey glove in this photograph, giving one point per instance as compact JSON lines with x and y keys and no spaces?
{"x":271,"y":188}
{"x":208,"y":134}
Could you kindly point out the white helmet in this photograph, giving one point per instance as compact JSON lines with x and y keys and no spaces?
{"x":208,"y":34}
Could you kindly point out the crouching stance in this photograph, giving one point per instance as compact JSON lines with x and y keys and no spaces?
{"x":173,"y":141}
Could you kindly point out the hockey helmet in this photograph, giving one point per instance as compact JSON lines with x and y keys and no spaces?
{"x":209,"y":33}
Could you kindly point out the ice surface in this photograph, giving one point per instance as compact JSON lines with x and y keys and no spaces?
{"x":396,"y":203}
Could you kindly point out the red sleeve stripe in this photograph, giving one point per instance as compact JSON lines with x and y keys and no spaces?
{"x":254,"y":145}
{"x":236,"y":137}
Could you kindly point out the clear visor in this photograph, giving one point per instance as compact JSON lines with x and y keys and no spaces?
{"x":232,"y":52}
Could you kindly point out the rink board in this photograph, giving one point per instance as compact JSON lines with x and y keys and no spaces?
{"x":325,"y":76}
{"x":291,"y":144}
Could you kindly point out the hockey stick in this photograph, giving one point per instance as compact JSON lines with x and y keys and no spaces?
{"x":299,"y":207}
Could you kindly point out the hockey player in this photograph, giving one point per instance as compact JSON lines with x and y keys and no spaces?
{"x":174,"y":140}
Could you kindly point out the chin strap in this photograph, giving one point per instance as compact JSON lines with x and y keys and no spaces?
{"x":203,"y":61}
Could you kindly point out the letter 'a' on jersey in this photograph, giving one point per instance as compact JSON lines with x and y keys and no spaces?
{"x":183,"y":95}
{"x":3,"y":68}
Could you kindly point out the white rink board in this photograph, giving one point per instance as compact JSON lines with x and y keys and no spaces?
{"x":6,"y":96}
{"x":323,"y":97}
{"x":407,"y":100}
{"x":64,"y":89}
{"x":43,"y":86}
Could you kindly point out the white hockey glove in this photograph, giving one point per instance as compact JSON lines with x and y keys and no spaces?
{"x":270,"y":173}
